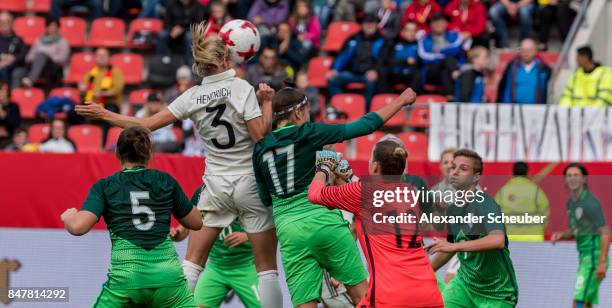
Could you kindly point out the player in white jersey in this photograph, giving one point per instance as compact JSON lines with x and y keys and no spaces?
{"x":227,"y":116}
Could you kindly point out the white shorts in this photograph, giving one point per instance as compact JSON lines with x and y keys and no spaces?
{"x":453,"y":265}
{"x":226,"y":197}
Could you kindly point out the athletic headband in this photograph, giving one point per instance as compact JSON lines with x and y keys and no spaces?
{"x":294,"y":107}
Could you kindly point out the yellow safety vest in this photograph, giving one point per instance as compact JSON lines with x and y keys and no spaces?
{"x":589,"y":90}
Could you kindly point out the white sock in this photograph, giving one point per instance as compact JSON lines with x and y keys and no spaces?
{"x":270,"y":293}
{"x":192,"y":273}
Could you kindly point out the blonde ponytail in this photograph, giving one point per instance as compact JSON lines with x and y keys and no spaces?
{"x":208,"y":52}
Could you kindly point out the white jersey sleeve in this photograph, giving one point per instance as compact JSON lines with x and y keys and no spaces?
{"x":251,"y":106}
{"x":181,"y":107}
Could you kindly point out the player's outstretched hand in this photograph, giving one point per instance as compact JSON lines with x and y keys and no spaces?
{"x":439,"y":245}
{"x":327,"y":160}
{"x":90,"y":110}
{"x":344,"y":171}
{"x":264,"y":93}
{"x":179,"y":233}
{"x":235,"y":239}
{"x":68,"y":214}
{"x":408,"y":97}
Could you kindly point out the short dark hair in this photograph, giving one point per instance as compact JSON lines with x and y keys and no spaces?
{"x":391,"y":157}
{"x":134,"y":145}
{"x":51,"y":20}
{"x":478,"y":166}
{"x":520,"y":168}
{"x":580,"y":166}
{"x":8,"y":89}
{"x":586,"y":51}
{"x":438,"y":16}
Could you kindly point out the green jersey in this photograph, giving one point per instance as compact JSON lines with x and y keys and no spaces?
{"x":585,"y":219}
{"x":284,"y":160}
{"x":489,"y":274}
{"x":136,"y":205}
{"x":221,"y":255}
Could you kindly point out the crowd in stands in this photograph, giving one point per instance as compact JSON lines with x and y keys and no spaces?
{"x":370,"y":47}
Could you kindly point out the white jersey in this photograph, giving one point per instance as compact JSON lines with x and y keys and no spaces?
{"x":219,"y":109}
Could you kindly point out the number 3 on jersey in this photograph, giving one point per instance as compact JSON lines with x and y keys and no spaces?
{"x":220,"y":109}
{"x":137,"y":208}
{"x":271,"y":158}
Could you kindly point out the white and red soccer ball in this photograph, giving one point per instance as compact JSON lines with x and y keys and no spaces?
{"x":242,"y":39}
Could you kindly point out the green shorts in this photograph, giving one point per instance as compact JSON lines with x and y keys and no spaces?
{"x":586,"y":289}
{"x":321,"y":240}
{"x":215,"y":283}
{"x":171,"y":297}
{"x":457,"y":295}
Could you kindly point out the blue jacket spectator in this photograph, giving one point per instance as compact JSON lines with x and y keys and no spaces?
{"x":470,"y":85}
{"x":525,"y":79}
{"x":440,"y":51}
{"x":358,"y":61}
{"x":400,"y":60}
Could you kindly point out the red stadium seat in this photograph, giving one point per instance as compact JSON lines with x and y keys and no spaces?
{"x":143,"y":24}
{"x":338,"y":33}
{"x":38,"y":132}
{"x":139,"y":97}
{"x":131,"y":65}
{"x":549,"y":57}
{"x":380,"y":100}
{"x":431,"y":98}
{"x":365,"y":144}
{"x":504,"y":58}
{"x":73,"y":29}
{"x":351,"y":104}
{"x":341,"y":148}
{"x":107,"y":32}
{"x":317,"y":71}
{"x":27,"y":99}
{"x":80,"y":64}
{"x":13,"y":5}
{"x":40,"y":6}
{"x":419,"y":115}
{"x":323,"y":110}
{"x":71,"y":93}
{"x":416,"y":144}
{"x":87,"y":137}
{"x":29,"y":28}
{"x":112,"y":136}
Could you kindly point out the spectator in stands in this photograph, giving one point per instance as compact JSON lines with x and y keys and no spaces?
{"x":469,"y":17}
{"x":94,"y":7}
{"x":389,"y":24}
{"x":525,"y":11}
{"x":104,"y":83}
{"x":269,"y":70}
{"x":180,"y":15}
{"x":525,"y":79}
{"x":470,"y":86}
{"x":358,"y":61}
{"x":164,"y":140}
{"x":150,"y":9}
{"x":550,"y":11}
{"x":46,"y":58}
{"x":184,"y":81}
{"x":305,"y":26}
{"x":312,"y":94}
{"x":10,"y":117}
{"x":400,"y":60}
{"x":288,"y":48}
{"x":590,"y":84}
{"x":20,"y":142}
{"x":58,"y":141}
{"x":441,"y":52}
{"x":333,"y":10}
{"x":218,"y":16}
{"x":267,"y":14}
{"x":12,"y":48}
{"x":419,"y":12}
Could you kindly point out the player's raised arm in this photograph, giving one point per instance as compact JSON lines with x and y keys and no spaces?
{"x":97,"y":112}
{"x":408,"y":97}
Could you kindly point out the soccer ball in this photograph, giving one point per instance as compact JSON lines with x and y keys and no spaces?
{"x":242,"y":39}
